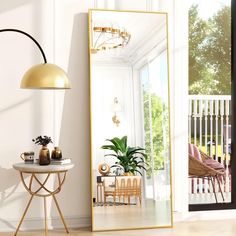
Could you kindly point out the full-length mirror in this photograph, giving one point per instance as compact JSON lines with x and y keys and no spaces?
{"x":130,"y":132}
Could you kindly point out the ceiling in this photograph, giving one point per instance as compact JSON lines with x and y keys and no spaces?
{"x":147,"y":31}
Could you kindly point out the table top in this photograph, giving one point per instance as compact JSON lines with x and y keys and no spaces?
{"x":34,"y":167}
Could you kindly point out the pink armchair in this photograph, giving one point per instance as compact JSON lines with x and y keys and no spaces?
{"x":203,"y":166}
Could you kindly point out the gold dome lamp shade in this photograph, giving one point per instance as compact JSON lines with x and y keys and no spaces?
{"x":42,"y":76}
{"x":45,"y":76}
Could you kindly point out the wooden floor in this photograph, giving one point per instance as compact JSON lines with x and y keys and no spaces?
{"x":199,"y":228}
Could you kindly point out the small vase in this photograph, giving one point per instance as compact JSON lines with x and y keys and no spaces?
{"x":56,"y":153}
{"x":44,"y":156}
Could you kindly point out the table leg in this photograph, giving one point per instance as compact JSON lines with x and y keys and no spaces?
{"x":100,"y":189}
{"x":45,"y":216}
{"x":23,"y":216}
{"x":99,"y":193}
{"x":60,"y":213}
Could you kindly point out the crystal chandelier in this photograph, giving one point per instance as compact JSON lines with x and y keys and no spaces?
{"x":105,"y":38}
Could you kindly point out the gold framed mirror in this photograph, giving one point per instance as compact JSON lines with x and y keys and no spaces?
{"x":130,"y":126}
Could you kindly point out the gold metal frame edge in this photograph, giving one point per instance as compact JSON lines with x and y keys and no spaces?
{"x":90,"y":110}
{"x":170,"y":130}
{"x":138,"y":228}
{"x":90,"y":10}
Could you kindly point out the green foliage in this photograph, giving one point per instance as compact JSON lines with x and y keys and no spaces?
{"x":210,"y":52}
{"x":197,"y":35}
{"x":131,"y":159}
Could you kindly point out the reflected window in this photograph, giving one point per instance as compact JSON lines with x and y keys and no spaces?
{"x":155,"y":120}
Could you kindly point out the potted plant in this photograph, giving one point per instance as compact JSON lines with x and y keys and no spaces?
{"x":44,"y":154}
{"x":130,"y":159}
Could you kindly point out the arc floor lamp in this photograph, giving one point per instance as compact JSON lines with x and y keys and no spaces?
{"x":44,"y":75}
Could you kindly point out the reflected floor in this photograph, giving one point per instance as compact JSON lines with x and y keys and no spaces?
{"x":149,"y":214}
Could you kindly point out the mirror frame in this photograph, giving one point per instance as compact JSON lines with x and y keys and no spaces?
{"x":91,"y":124}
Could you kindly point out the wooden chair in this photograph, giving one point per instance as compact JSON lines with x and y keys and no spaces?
{"x":109,"y":188}
{"x":124,"y":187}
{"x":129,"y":186}
{"x":208,"y":168}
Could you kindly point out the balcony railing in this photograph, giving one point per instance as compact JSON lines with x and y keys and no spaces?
{"x":209,"y":126}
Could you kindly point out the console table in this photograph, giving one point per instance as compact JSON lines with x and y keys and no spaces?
{"x":38,"y":187}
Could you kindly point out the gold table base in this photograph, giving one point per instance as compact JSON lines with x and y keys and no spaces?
{"x":45,"y":194}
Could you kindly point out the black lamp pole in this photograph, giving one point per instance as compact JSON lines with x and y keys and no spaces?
{"x":29,"y":36}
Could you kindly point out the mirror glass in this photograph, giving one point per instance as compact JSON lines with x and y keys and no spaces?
{"x":130,"y":140}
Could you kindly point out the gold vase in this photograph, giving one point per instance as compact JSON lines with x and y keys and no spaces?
{"x":56,"y":153}
{"x":128,"y":174}
{"x":44,"y":156}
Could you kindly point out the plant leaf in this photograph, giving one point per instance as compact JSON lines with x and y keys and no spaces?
{"x":120,"y":144}
{"x":139,"y":172}
{"x":110,"y":147}
{"x":114,"y":155}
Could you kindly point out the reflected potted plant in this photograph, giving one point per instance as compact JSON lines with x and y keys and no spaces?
{"x":44,"y":154}
{"x":131,"y":159}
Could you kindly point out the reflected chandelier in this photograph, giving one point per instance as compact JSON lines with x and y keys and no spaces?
{"x":109,"y":38}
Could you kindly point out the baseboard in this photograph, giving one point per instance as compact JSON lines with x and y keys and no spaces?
{"x":9,"y":225}
{"x":204,"y":215}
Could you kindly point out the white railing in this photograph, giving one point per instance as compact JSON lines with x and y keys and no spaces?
{"x":209,"y":126}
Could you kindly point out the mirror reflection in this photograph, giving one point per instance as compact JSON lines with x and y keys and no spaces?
{"x":130,"y":141}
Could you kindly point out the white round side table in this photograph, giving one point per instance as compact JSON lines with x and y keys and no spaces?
{"x":37,"y":173}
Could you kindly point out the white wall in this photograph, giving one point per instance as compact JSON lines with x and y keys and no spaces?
{"x":109,"y":82}
{"x":178,"y":52}
{"x":23,"y":114}
{"x":62,"y":29}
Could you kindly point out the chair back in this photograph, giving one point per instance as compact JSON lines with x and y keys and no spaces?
{"x":128,"y":185}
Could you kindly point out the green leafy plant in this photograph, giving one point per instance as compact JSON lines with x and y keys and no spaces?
{"x":44,"y":141}
{"x":130,"y":159}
